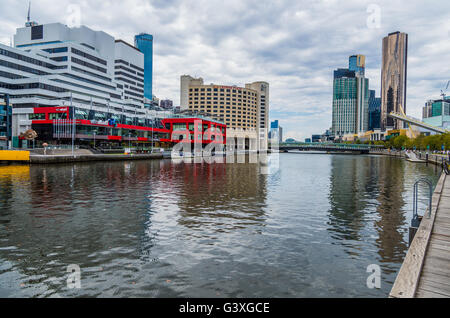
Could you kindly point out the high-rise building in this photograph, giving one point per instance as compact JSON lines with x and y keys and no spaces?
{"x":357,"y":64}
{"x":438,"y":112}
{"x":244,"y":109}
{"x":144,"y":42}
{"x":276,"y":131}
{"x":129,"y":71}
{"x":350,"y":99}
{"x":393,"y":78}
{"x":166,"y":104}
{"x":374,"y":111}
{"x":427,"y":109}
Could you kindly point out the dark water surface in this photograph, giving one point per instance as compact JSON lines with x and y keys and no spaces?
{"x":158,"y":229}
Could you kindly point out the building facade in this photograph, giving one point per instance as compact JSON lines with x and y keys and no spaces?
{"x":129,"y":71}
{"x":5,"y":122}
{"x":243,"y":109}
{"x":393,"y":78}
{"x":357,"y":64}
{"x":144,"y":42}
{"x":374,"y":111}
{"x":350,"y":114}
{"x":275,"y":132}
{"x":61,"y":79}
{"x":437,"y":113}
{"x":166,"y":104}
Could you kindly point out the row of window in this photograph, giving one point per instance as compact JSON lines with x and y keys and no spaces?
{"x":56,"y":50}
{"x":88,"y":56}
{"x":27,"y":59}
{"x":74,"y":68}
{"x":22,"y":68}
{"x":59,"y":58}
{"x":129,"y":64}
{"x":129,"y":76}
{"x":228,"y":90}
{"x":88,"y":65}
{"x":10,"y":75}
{"x":222,"y":98}
{"x":33,"y":86}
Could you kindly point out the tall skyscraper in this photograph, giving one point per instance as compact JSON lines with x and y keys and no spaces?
{"x":144,"y":42}
{"x":374,"y":111}
{"x":393,"y":78}
{"x":276,"y":131}
{"x":357,"y":64}
{"x":350,"y":99}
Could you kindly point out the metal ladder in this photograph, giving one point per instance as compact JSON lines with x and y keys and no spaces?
{"x":415,"y":222}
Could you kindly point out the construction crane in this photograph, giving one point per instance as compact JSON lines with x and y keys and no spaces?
{"x":443,"y":91}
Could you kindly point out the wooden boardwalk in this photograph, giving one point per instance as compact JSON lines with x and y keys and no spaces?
{"x":425,"y":271}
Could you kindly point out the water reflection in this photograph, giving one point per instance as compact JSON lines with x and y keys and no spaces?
{"x":158,"y":229}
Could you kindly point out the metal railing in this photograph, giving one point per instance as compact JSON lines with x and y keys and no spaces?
{"x":415,"y":196}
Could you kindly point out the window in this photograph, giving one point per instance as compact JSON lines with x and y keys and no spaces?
{"x":36,"y":116}
{"x":37,"y":32}
{"x":57,"y":116}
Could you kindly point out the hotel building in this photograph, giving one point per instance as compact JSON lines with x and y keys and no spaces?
{"x":243,"y":109}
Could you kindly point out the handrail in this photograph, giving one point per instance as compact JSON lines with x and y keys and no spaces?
{"x":415,"y":197}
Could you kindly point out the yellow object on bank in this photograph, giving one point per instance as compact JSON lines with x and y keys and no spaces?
{"x":14,"y":155}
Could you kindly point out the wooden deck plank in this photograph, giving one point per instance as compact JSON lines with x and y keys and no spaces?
{"x":434,"y":278}
{"x":437,"y":278}
{"x":425,"y":271}
{"x":408,"y":278}
{"x":423,"y":293}
{"x":440,"y":245}
{"x":436,"y":287}
{"x":444,"y":239}
{"x":437,"y":271}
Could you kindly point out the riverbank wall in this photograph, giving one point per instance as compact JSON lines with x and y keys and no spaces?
{"x":430,"y":158}
{"x":26,"y":157}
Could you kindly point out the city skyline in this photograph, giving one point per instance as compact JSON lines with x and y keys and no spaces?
{"x":288,"y":51}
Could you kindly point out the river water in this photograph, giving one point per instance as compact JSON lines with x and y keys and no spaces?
{"x":309,"y":228}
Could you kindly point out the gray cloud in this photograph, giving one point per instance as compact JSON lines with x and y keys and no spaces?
{"x":294,"y":45}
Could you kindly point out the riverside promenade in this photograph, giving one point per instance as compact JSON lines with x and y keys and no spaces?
{"x":425,"y":272}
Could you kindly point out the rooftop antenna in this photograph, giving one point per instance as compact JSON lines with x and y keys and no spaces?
{"x":29,"y":8}
{"x":30,"y":23}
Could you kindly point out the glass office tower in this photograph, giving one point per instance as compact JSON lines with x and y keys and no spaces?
{"x":357,"y":64}
{"x":374,"y":111}
{"x":144,"y":42}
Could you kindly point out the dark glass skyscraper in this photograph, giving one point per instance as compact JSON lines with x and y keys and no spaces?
{"x":144,"y":42}
{"x":374,"y":111}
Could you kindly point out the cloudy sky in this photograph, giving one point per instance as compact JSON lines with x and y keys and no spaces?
{"x":293,"y":45}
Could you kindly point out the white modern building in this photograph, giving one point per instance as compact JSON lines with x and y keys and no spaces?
{"x":53,"y":65}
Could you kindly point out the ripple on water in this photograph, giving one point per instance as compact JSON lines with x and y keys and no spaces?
{"x":155,"y":229}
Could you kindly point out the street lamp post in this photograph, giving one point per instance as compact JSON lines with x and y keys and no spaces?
{"x":94,"y":137}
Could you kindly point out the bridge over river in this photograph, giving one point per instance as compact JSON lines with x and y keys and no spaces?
{"x":328,"y":147}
